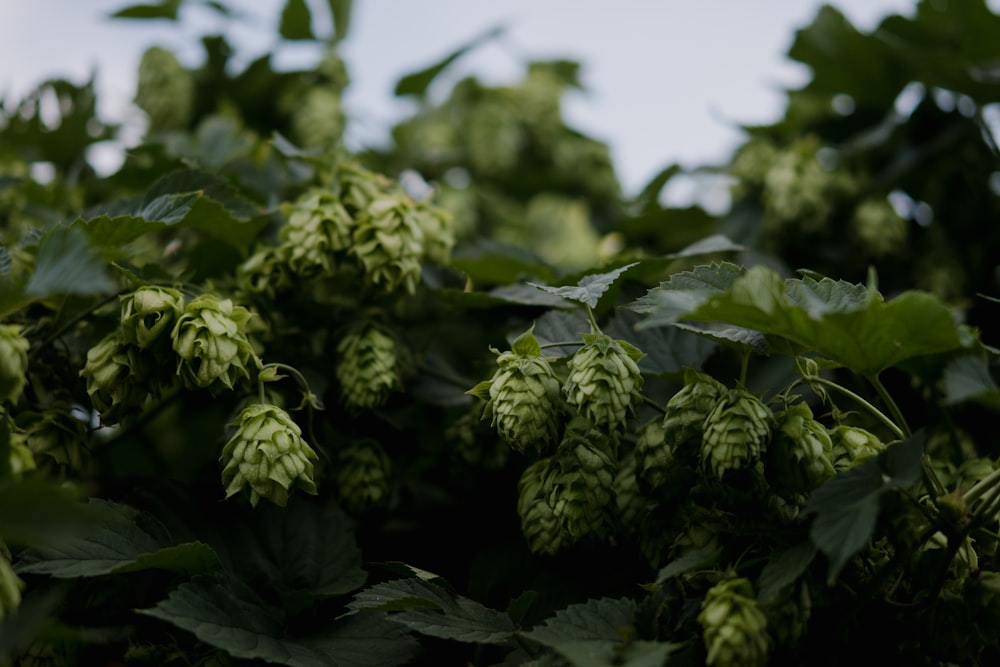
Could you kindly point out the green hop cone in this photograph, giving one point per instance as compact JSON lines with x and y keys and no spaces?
{"x":116,"y":378}
{"x":13,"y":362}
{"x":318,"y":230}
{"x":210,"y":341}
{"x":736,"y":433}
{"x":165,"y":90}
{"x":389,"y":243}
{"x":438,"y":232}
{"x":367,"y":367}
{"x":852,"y":445}
{"x":799,"y":455}
{"x":686,"y":411}
{"x":148,"y":312}
{"x":539,"y":523}
{"x":267,"y":454}
{"x":523,"y":396}
{"x":359,"y":187}
{"x":582,"y":496}
{"x":630,"y":505}
{"x":56,"y":438}
{"x":660,"y":474}
{"x":10,"y":584}
{"x":318,"y":119}
{"x":266,"y":272}
{"x":604,"y":380}
{"x":734,"y":628}
{"x":362,"y":475}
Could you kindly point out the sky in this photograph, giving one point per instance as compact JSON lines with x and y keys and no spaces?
{"x":667,"y":81}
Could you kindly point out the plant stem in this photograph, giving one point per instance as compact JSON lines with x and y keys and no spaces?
{"x":897,"y":431}
{"x":982,"y":486}
{"x":891,"y":404}
{"x":593,"y":323}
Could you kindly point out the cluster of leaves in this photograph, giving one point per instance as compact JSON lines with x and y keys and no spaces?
{"x":263,"y":400}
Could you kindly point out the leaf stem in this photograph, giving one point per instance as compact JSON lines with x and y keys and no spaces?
{"x":897,"y":415}
{"x":590,"y":318}
{"x":897,"y":431}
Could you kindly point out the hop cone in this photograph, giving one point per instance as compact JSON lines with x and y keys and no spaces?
{"x":210,"y":341}
{"x":362,"y":475}
{"x":13,"y":362}
{"x":149,"y":312}
{"x":736,"y":432}
{"x":58,"y":437}
{"x":358,"y":187}
{"x":267,"y":453}
{"x":734,"y":627}
{"x":267,"y":271}
{"x":10,"y":585}
{"x":538,"y":520}
{"x":630,"y":505}
{"x":439,"y":235}
{"x":604,"y":380}
{"x":367,"y":367}
{"x":389,"y":243}
{"x":658,"y":470}
{"x":686,"y":411}
{"x":165,"y":90}
{"x":318,"y":228}
{"x":318,"y":120}
{"x":852,"y":445}
{"x":116,"y":378}
{"x":523,"y":396}
{"x":582,"y":496}
{"x":799,"y":456}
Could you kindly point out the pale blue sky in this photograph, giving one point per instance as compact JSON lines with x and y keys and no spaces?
{"x":669,"y":81}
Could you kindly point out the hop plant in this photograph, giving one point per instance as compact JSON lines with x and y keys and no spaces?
{"x":734,"y":628}
{"x":318,"y":119}
{"x":523,"y":396}
{"x":268,"y":454}
{"x":799,"y":455}
{"x":165,"y":90}
{"x":539,"y":522}
{"x":149,"y":312}
{"x":13,"y":362}
{"x":362,"y":475}
{"x":267,"y":271}
{"x":736,"y":432}
{"x":10,"y":584}
{"x":318,"y":229}
{"x":388,"y":243}
{"x":367,"y":367}
{"x":686,"y":411}
{"x":851,"y":445}
{"x":582,"y":496}
{"x":210,"y":341}
{"x":116,"y":378}
{"x":604,"y":380}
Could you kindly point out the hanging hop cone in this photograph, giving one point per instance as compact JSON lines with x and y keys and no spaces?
{"x":582,"y":497}
{"x":539,"y":523}
{"x":852,"y":445}
{"x":116,"y":378}
{"x":799,"y":455}
{"x":685,"y":414}
{"x":438,"y":232}
{"x":318,"y":231}
{"x":523,"y":396}
{"x":389,"y":243}
{"x":210,"y":341}
{"x":604,"y":380}
{"x":267,"y":271}
{"x":734,"y":627}
{"x":165,"y":90}
{"x":656,"y":466}
{"x":148,"y":314}
{"x":318,"y":119}
{"x":359,"y":187}
{"x":13,"y":362}
{"x":10,"y":584}
{"x":367,"y":367}
{"x":362,"y":475}
{"x":56,"y":438}
{"x":267,"y":454}
{"x":736,"y":432}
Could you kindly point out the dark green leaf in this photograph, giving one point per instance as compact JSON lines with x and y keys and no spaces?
{"x":557,"y":326}
{"x":901,"y":461}
{"x":692,"y":561}
{"x":519,"y":606}
{"x":296,"y":21}
{"x":36,"y":513}
{"x":601,"y":618}
{"x":603,"y":653}
{"x":340,"y":10}
{"x":783,"y":568}
{"x":684,"y":292}
{"x":966,"y":378}
{"x":67,"y":264}
{"x":497,"y":263}
{"x":707,"y":246}
{"x":667,"y":349}
{"x":163,"y":10}
{"x":590,"y":288}
{"x":112,"y":234}
{"x":417,"y":83}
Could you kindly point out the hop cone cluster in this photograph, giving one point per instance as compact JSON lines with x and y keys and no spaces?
{"x":267,"y":271}
{"x":267,"y":454}
{"x":210,"y":341}
{"x":851,"y":445}
{"x":367,"y":367}
{"x":165,"y":90}
{"x":523,"y":396}
{"x":318,"y":229}
{"x":362,"y":475}
{"x":799,"y":455}
{"x":389,"y":243}
{"x":604,"y":380}
{"x":13,"y":362}
{"x":736,"y":432}
{"x":734,"y":628}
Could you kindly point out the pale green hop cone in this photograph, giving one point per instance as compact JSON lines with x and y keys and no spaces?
{"x":852,"y":445}
{"x":388,"y":243}
{"x":267,"y":271}
{"x":604,"y":380}
{"x":13,"y":362}
{"x":362,"y":473}
{"x":734,"y":628}
{"x":539,"y":523}
{"x":799,"y":455}
{"x":736,"y":433}
{"x":685,"y":414}
{"x":165,"y":90}
{"x":267,"y":454}
{"x":318,"y":232}
{"x":367,"y":367}
{"x":149,"y":313}
{"x":211,"y":344}
{"x":582,"y":495}
{"x":117,"y":378}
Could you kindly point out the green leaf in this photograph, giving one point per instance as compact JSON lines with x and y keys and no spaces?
{"x":35,"y":513}
{"x":519,"y":606}
{"x":691,"y":561}
{"x":429,"y":609}
{"x":66,"y":263}
{"x":668,"y":349}
{"x":340,"y":10}
{"x":783,"y":568}
{"x":296,"y":21}
{"x":164,"y":10}
{"x":112,"y":234}
{"x":6,"y":262}
{"x":602,"y":653}
{"x":967,"y":378}
{"x":605,"y":619}
{"x":590,"y":288}
{"x":526,"y":344}
{"x":417,"y":83}
{"x":496,"y":263}
{"x":684,"y":292}
{"x":558,"y":326}
{"x":120,"y":543}
{"x":224,"y":612}
{"x":707,"y":246}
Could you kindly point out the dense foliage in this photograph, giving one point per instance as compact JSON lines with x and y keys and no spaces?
{"x":458,"y":401}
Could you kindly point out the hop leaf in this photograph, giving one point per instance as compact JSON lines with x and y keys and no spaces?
{"x":389,"y":243}
{"x":362,"y":475}
{"x":799,"y":456}
{"x":851,"y":445}
{"x":210,"y":339}
{"x":267,"y":453}
{"x":734,"y":628}
{"x":318,"y":229}
{"x":604,"y":380}
{"x":523,"y":395}
{"x":367,"y":367}
{"x":148,"y":312}
{"x":13,"y":362}
{"x":736,"y":432}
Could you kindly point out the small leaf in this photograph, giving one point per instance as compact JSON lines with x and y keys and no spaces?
{"x":526,"y":344}
{"x":417,"y":83}
{"x":707,"y":246}
{"x":66,"y":263}
{"x":296,"y":21}
{"x":340,"y":10}
{"x":519,"y":606}
{"x":164,"y":10}
{"x":590,"y":288}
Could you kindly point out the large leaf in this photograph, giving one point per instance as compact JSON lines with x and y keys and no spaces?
{"x":667,"y":349}
{"x":590,"y":288}
{"x":606,"y":619}
{"x":417,"y":83}
{"x":224,"y":612}
{"x":66,"y":263}
{"x":432,"y":610}
{"x":783,"y":568}
{"x":124,"y":541}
